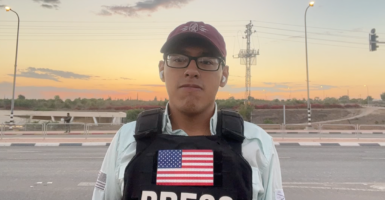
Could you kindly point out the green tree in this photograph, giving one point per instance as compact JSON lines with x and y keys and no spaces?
{"x":245,"y":111}
{"x":21,"y":97}
{"x":330,"y":100}
{"x":344,"y":99}
{"x":131,"y":115}
{"x":383,"y":96}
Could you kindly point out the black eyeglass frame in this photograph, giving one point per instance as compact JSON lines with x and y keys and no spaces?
{"x":222,"y":62}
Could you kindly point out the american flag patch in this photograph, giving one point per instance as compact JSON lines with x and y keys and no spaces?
{"x":101,"y":181}
{"x":185,"y":167}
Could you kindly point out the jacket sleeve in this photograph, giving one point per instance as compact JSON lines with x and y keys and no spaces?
{"x":107,"y":186}
{"x":273,"y":187}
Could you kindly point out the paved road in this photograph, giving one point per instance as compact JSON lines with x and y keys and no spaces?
{"x":316,"y":173}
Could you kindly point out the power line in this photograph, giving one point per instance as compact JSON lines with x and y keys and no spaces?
{"x":294,"y":36}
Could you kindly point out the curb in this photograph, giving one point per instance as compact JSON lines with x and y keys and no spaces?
{"x":332,"y":133}
{"x":58,"y":134}
{"x":338,"y":144}
{"x":87,"y":144}
{"x":94,"y":144}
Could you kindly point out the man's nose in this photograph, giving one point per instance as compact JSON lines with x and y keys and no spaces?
{"x":192,"y":70}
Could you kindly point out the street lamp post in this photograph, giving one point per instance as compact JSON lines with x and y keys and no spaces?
{"x":367,"y":93}
{"x":311,"y":4}
{"x":14,"y":74}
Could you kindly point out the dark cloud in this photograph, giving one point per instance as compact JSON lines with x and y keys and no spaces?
{"x":50,"y":4}
{"x":146,"y":6}
{"x":38,"y":92}
{"x":50,"y":74}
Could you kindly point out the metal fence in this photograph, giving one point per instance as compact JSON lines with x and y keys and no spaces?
{"x":59,"y":128}
{"x":103,"y":127}
{"x":110,"y":128}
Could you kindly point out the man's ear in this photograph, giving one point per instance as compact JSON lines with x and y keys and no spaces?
{"x":225,"y":73}
{"x":161,"y":70}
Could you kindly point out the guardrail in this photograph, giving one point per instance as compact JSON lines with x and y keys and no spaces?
{"x":271,"y":126}
{"x":287,"y":127}
{"x":14,"y":128}
{"x":59,"y":127}
{"x":101,"y":128}
{"x":340,"y":127}
{"x":365,"y":125}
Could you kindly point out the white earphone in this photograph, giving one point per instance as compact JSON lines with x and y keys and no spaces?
{"x":161,"y":75}
{"x":223,"y":79}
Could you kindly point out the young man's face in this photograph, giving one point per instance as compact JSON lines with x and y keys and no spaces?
{"x":192,"y":90}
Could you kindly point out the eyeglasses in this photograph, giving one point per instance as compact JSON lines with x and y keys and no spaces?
{"x":203,"y":63}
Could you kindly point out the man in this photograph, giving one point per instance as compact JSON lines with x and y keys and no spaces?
{"x":232,"y":164}
{"x":67,"y":120}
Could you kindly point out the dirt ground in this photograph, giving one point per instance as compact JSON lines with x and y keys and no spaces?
{"x":295,"y":116}
{"x":377,"y":118}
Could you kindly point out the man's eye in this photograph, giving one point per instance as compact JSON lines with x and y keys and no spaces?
{"x":207,"y":62}
{"x":179,"y":59}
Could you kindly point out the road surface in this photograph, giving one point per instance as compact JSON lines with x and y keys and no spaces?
{"x":315,"y":173}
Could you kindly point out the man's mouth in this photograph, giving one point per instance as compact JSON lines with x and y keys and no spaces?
{"x":191,"y":87}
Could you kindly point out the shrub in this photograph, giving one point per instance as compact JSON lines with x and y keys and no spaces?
{"x":131,"y":115}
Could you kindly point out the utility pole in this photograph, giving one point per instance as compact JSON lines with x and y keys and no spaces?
{"x":248,"y":57}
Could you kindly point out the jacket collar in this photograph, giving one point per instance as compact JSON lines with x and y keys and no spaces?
{"x":167,"y":127}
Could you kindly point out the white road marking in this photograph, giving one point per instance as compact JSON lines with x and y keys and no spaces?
{"x":39,"y":183}
{"x":94,"y":144}
{"x":334,"y":188}
{"x":276,"y":143}
{"x":324,"y":183}
{"x":378,"y":186}
{"x":5,"y":144}
{"x":87,"y":184}
{"x":373,"y":158}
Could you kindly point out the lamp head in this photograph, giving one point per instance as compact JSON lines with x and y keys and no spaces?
{"x":7,"y":8}
{"x":311,"y":3}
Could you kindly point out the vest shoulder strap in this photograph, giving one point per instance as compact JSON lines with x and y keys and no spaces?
{"x":148,"y":124}
{"x":230,"y":126}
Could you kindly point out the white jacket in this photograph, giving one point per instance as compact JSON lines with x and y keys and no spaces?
{"x":257,"y":148}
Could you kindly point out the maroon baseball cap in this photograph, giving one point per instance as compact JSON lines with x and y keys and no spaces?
{"x":196,"y":29}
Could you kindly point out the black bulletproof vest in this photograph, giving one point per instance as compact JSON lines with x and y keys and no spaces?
{"x":232,"y":173}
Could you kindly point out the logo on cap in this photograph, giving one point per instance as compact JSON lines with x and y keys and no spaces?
{"x":194,"y":27}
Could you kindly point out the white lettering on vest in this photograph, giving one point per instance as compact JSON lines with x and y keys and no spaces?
{"x":174,"y":196}
{"x":206,"y":197}
{"x":225,"y":198}
{"x":165,"y":195}
{"x":185,"y":196}
{"x":151,"y":194}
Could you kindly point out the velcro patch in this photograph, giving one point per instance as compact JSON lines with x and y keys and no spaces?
{"x":101,"y":181}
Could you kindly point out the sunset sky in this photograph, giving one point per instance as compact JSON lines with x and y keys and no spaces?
{"x":111,"y":48}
